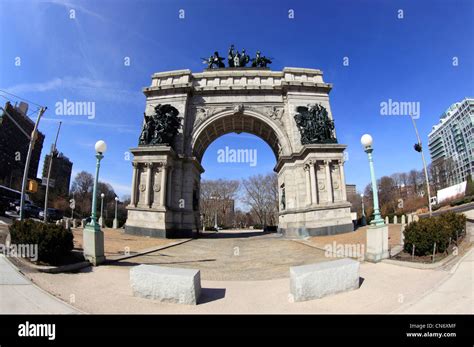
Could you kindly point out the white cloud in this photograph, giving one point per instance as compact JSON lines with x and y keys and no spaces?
{"x":70,"y":5}
{"x":119,"y":128}
{"x":92,"y":88}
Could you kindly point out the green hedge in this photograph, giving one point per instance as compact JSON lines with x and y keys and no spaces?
{"x":425,"y":232}
{"x":462,"y":201}
{"x":54,"y":241}
{"x":455,"y":224}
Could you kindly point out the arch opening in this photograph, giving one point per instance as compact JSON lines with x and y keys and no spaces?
{"x":239,"y":187}
{"x":238,"y":123}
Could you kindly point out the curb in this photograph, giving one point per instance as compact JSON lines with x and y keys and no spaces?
{"x":63,"y":268}
{"x":428,"y":266}
{"x":54,"y":269}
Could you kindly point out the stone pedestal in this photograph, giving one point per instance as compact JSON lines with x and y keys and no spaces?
{"x":164,"y":187}
{"x":377,"y":243}
{"x":93,"y":244}
{"x":314,"y":192}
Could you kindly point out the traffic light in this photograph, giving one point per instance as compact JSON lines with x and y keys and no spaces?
{"x":32,"y":186}
{"x":417,"y":147}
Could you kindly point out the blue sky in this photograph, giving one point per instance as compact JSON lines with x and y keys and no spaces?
{"x":82,"y":59}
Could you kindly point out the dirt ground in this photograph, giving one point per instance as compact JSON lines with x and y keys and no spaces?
{"x":356,"y":237}
{"x":233,"y":255}
{"x":117,"y":243}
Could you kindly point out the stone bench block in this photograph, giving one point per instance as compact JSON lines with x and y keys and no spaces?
{"x":313,"y":281}
{"x":166,"y":284}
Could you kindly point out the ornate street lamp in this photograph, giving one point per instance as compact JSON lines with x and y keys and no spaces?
{"x":366,"y":141}
{"x":101,"y":220}
{"x":115,"y":225}
{"x":377,"y":233}
{"x":93,"y":235}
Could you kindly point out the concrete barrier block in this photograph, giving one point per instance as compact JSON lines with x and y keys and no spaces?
{"x":166,"y":284}
{"x":314,"y":281}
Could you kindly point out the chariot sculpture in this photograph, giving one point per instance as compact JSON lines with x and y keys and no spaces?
{"x":236,"y":59}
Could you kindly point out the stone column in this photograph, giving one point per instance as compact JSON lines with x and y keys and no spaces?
{"x":314,"y":182}
{"x":309,"y":199}
{"x":148,"y":189}
{"x":133,"y":194}
{"x":327,"y":164}
{"x":169,"y":187}
{"x":163,"y":185}
{"x":343,"y":180}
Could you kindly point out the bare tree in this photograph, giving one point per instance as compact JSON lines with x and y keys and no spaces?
{"x":217,"y":197}
{"x":261,"y":194}
{"x":82,"y":191}
{"x":441,"y":172}
{"x":207,"y":189}
{"x":368,"y":201}
{"x":356,"y":203}
{"x":109,"y":200}
{"x":271,"y":186}
{"x":387,"y":195}
{"x":413,"y":179}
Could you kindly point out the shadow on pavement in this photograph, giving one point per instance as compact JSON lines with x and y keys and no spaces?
{"x":234,"y":235}
{"x":128,"y":263}
{"x":211,"y":294}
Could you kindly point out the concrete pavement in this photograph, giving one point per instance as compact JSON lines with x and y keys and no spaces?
{"x":386,"y":288}
{"x":453,"y":295}
{"x":19,"y":295}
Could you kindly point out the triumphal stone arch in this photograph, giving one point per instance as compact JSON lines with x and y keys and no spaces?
{"x":288,"y":109}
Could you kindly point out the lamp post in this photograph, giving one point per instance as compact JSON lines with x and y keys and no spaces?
{"x":377,"y":233}
{"x":115,"y":225}
{"x":419,"y":148}
{"x":93,"y":235}
{"x":51,"y":156}
{"x":101,"y":220}
{"x":32,"y":138}
{"x":215,"y":221}
{"x":363,"y":218}
{"x":366,"y":141}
